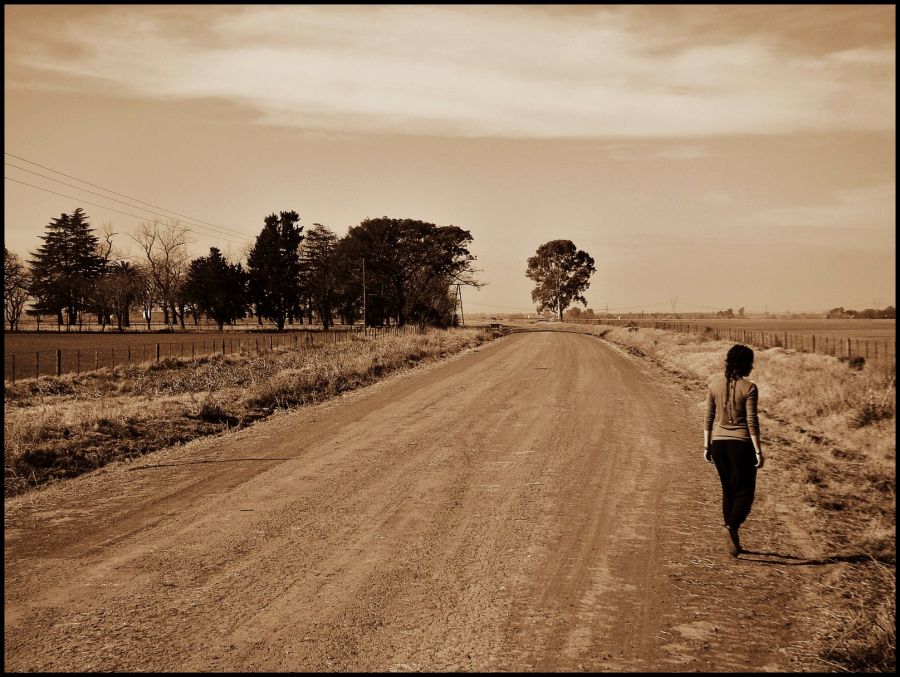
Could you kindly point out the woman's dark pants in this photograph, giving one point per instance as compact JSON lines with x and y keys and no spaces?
{"x":736,"y":462}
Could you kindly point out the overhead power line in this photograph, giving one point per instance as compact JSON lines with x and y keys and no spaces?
{"x":119,"y":211}
{"x":106,"y":197}
{"x":56,"y":171}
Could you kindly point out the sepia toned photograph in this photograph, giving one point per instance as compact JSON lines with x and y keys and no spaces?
{"x":449,"y":338}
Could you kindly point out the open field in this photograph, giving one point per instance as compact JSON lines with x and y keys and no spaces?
{"x":873,"y":340}
{"x":874,"y":330}
{"x":27,"y":354}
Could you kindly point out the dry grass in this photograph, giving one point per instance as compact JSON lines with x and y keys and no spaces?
{"x":831,"y":433}
{"x":58,"y":427}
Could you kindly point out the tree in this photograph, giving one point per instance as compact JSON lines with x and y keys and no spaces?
{"x":65,"y":267}
{"x":165,"y":251}
{"x":119,"y":291}
{"x":562,"y":274}
{"x":410,"y":266}
{"x":573,"y":314}
{"x":319,"y":271}
{"x":217,"y":287}
{"x":274,"y":268}
{"x":349,"y":293}
{"x":15,"y":288}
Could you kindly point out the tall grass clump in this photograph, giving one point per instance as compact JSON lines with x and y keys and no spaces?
{"x":58,"y":427}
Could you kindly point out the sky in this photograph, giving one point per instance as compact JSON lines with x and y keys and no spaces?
{"x":705,"y":156}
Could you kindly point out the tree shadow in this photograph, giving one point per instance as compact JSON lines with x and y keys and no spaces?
{"x":207,"y":460}
{"x":783,"y":559}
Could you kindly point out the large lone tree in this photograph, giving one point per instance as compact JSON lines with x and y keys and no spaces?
{"x":562,"y":273}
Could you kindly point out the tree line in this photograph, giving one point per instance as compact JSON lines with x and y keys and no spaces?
{"x":888,"y":313}
{"x":383,"y":271}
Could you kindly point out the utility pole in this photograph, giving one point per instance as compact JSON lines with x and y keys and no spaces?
{"x":457,"y":301}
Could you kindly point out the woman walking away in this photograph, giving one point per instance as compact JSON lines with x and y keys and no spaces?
{"x":733,"y":442}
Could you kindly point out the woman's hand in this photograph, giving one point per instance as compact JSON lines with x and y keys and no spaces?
{"x":759,"y":459}
{"x":707,"y":454}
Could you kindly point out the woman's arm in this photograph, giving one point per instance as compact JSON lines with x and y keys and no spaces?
{"x":753,"y":423}
{"x":708,"y":424}
{"x":758,"y":448}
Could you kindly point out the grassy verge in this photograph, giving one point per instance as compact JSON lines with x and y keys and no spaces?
{"x":831,"y":431}
{"x":59,"y":427}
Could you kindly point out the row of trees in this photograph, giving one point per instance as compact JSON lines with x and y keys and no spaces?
{"x":888,"y":313}
{"x":407,"y":268}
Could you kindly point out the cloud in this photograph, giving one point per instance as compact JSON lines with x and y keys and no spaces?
{"x":683,"y":153}
{"x":867,"y":207}
{"x":469,"y":71}
{"x":716,"y":197}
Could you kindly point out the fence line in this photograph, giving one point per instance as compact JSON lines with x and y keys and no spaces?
{"x":69,"y":360}
{"x":842,"y":347}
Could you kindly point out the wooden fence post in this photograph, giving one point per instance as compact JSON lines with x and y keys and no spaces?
{"x":14,"y":367}
{"x":77,"y":361}
{"x":157,"y":352}
{"x":223,"y":346}
{"x":37,"y":364}
{"x":96,"y":358}
{"x":59,"y":363}
{"x":848,"y":346}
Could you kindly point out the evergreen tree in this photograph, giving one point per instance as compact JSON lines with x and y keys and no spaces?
{"x":65,"y":267}
{"x":319,"y":272}
{"x":217,"y":288}
{"x":274,"y":268}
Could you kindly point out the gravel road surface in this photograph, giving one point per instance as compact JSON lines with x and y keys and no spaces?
{"x":539,"y":503}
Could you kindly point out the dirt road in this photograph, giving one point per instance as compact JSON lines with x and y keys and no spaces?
{"x":537,"y":504}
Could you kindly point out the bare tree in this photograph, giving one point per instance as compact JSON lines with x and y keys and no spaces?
{"x":15,"y":288}
{"x":166,"y":257}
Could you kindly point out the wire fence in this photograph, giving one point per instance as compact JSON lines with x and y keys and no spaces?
{"x":19,"y":365}
{"x":848,"y":347}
